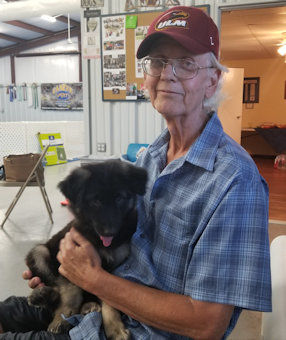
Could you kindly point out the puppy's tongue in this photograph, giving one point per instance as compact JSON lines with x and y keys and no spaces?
{"x":106,"y":240}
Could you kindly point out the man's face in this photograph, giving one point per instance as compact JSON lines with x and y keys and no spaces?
{"x":172,"y":96}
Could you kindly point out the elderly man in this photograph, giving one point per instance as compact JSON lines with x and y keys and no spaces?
{"x":201,"y":250}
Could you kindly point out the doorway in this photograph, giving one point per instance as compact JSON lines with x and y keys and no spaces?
{"x":250,"y":37}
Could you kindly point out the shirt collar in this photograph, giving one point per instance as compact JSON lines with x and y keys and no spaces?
{"x":202,"y":152}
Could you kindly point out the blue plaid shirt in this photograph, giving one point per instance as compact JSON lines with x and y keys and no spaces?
{"x":202,"y":231}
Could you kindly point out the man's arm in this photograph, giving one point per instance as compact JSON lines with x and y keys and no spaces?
{"x":175,"y":313}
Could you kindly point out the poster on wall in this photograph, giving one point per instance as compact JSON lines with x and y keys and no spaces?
{"x":56,"y":152}
{"x":91,"y":36}
{"x":114,"y":53}
{"x":61,"y":96}
{"x":92,"y":3}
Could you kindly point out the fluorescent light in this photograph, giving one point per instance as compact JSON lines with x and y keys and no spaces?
{"x":48,"y":18}
{"x":282,"y":50}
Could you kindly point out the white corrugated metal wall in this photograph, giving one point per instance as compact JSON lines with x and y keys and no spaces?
{"x":20,"y":123}
{"x":44,"y":69}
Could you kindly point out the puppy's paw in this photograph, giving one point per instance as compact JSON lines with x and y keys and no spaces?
{"x":58,"y":325}
{"x":118,"y":334}
{"x":44,"y":297}
{"x":89,"y":307}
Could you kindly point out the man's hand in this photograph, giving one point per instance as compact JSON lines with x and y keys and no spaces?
{"x":80,"y":262}
{"x":34,"y":281}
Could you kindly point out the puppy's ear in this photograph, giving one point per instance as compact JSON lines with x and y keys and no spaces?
{"x":137,"y":179}
{"x":73,"y":185}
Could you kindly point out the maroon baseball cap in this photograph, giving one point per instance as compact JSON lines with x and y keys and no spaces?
{"x":189,"y":26}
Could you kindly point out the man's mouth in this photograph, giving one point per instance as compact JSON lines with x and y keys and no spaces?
{"x":168,"y":91}
{"x":106,"y":240}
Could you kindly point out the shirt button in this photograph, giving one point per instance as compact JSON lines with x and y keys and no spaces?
{"x":142,"y":235}
{"x":126,"y":266}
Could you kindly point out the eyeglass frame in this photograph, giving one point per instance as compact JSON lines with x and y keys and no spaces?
{"x":164,"y":63}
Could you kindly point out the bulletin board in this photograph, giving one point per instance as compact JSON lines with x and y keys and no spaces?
{"x":122,"y":75}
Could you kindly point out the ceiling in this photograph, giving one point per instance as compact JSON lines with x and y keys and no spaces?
{"x":252,"y":33}
{"x":29,"y":32}
{"x":245,"y":33}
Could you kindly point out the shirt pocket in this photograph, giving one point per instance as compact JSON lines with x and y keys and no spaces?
{"x":170,"y":252}
{"x":175,"y":229}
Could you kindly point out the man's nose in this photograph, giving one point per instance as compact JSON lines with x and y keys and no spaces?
{"x":167,"y":71}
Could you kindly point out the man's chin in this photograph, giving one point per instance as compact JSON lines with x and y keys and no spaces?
{"x":168,"y":111}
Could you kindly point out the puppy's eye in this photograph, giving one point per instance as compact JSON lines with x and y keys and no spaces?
{"x":122,"y":196}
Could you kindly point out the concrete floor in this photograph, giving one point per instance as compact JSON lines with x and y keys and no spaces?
{"x":29,"y":224}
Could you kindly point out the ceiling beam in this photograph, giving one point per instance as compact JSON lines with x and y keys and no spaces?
{"x":64,"y":19}
{"x":11,"y":38}
{"x":28,"y":44}
{"x":29,"y":27}
{"x":44,"y":54}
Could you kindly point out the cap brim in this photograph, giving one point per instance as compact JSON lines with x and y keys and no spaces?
{"x":190,"y":44}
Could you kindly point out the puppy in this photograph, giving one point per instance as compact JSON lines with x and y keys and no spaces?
{"x":102,"y":198}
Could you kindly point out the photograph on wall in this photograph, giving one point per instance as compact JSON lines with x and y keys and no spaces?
{"x":61,"y":96}
{"x":115,"y":61}
{"x":131,"y":91}
{"x":142,"y":93}
{"x":91,"y":36}
{"x":251,"y":90}
{"x":113,"y":79}
{"x":113,"y":28}
{"x":114,"y":53}
{"x":140,"y":33}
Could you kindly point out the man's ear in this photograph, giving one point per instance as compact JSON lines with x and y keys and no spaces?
{"x":214,"y":78}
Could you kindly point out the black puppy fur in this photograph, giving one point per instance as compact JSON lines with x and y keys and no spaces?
{"x":102,"y":198}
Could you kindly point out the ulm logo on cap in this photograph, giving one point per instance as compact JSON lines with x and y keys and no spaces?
{"x":176,"y":19}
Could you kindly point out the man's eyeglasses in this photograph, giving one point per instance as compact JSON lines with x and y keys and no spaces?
{"x":182,"y":68}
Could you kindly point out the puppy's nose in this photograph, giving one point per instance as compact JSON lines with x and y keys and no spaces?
{"x":107,"y":231}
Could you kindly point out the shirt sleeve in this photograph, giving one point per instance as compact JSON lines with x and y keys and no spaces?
{"x":230,"y":263}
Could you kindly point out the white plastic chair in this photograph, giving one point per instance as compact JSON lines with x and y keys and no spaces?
{"x":274,"y":324}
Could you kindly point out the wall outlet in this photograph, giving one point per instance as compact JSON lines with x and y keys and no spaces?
{"x":101,"y":147}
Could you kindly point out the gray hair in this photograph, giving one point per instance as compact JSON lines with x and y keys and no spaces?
{"x":212,"y":103}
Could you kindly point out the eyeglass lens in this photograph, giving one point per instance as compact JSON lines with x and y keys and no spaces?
{"x":182,"y":68}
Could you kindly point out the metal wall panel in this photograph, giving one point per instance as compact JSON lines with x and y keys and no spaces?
{"x":5,"y":70}
{"x":45,"y":69}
